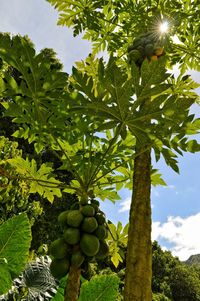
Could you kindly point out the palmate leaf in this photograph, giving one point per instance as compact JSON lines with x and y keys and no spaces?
{"x":100,"y":288}
{"x":40,"y":180}
{"x":117,"y":237}
{"x":15,"y":239}
{"x":35,"y":89}
{"x":113,"y":25}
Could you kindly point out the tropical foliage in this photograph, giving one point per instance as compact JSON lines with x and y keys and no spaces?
{"x":93,"y":132}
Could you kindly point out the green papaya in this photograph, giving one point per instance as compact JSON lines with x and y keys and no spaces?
{"x":59,"y":267}
{"x":59,"y":248}
{"x":93,"y":201}
{"x":72,"y":236}
{"x":89,"y":224}
{"x":96,"y":207}
{"x":141,"y":50}
{"x":74,"y":218}
{"x":134,"y":55}
{"x":101,"y":232}
{"x":149,"y":50}
{"x":62,"y":218}
{"x":100,"y":218}
{"x":103,"y":250}
{"x":88,"y":210}
{"x":77,"y":259}
{"x":136,"y":43}
{"x":89,"y":244}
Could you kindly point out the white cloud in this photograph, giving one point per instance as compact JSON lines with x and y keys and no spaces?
{"x":181,"y":233}
{"x":125,"y":205}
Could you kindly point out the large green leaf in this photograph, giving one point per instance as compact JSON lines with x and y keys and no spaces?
{"x":100,"y":288}
{"x":15,"y":239}
{"x":5,"y":278}
{"x":40,"y":180}
{"x":35,"y":89}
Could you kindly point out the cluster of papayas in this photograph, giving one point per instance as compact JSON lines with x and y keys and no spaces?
{"x":144,"y":47}
{"x":84,"y":233}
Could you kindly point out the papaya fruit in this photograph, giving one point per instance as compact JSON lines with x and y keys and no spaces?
{"x":74,"y":218}
{"x":154,"y":58}
{"x":77,"y":259}
{"x":141,"y":50}
{"x":100,"y":218}
{"x":72,"y":236}
{"x":96,"y":207}
{"x":101,"y":232}
{"x":89,"y":224}
{"x":59,"y":248}
{"x":89,"y":244}
{"x":134,"y":55}
{"x":93,"y":201}
{"x":136,"y":43}
{"x":159,"y":51}
{"x":59,"y":267}
{"x":103,"y":250}
{"x":62,"y":218}
{"x":88,"y":210}
{"x":149,"y":50}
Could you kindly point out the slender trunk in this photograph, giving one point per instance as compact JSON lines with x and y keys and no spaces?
{"x":73,"y":284}
{"x":139,"y":252}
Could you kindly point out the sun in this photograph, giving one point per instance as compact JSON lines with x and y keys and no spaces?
{"x":164,"y":27}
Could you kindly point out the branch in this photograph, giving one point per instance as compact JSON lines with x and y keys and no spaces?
{"x":73,"y":169}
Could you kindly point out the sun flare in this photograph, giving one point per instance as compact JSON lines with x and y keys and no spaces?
{"x":164,"y":27}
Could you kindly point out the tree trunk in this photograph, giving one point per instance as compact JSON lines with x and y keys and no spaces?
{"x":139,"y":250}
{"x":73,"y":284}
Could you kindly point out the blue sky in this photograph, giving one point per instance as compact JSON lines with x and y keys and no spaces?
{"x":175,"y":208}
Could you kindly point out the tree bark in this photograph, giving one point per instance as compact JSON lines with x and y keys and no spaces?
{"x":73,"y":284}
{"x":139,"y":250}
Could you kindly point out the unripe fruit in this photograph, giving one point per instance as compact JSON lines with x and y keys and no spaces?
{"x":89,"y":244}
{"x":62,"y":218}
{"x":77,"y":259}
{"x":74,"y":218}
{"x":103,"y":250}
{"x":101,"y":232}
{"x":59,"y":248}
{"x":59,"y":267}
{"x":88,"y":210}
{"x":100,"y":218}
{"x":89,"y":224}
{"x":72,"y":236}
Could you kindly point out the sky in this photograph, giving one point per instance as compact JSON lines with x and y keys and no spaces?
{"x":176,"y":207}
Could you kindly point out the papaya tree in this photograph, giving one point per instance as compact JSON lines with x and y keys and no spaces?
{"x":137,"y":105}
{"x":37,"y":101}
{"x":158,"y":116}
